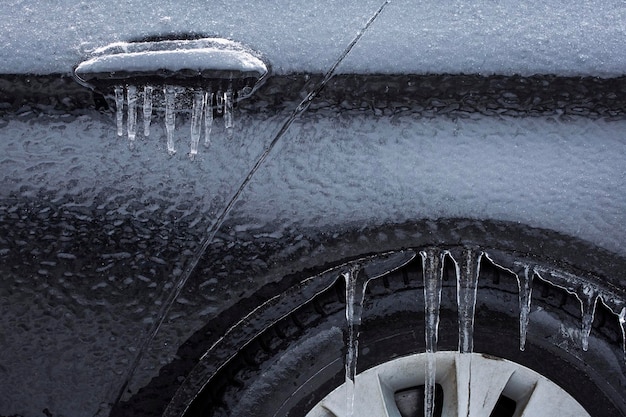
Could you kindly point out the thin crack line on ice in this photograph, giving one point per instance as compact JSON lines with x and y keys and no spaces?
{"x":302,"y":107}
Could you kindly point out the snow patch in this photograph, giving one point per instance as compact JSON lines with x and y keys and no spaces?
{"x":534,"y":36}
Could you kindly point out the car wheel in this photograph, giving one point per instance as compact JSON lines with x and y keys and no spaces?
{"x":567,"y":360}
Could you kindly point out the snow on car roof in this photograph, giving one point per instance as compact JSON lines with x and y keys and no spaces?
{"x":505,"y":37}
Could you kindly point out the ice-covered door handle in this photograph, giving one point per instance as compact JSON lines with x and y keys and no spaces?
{"x":209,"y":75}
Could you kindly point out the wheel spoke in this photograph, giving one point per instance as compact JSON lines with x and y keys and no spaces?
{"x":479,"y":384}
{"x":545,"y":400}
{"x":372,"y":398}
{"x":472,"y":385}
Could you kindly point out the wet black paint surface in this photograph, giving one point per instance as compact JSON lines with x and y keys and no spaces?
{"x":82,"y":283}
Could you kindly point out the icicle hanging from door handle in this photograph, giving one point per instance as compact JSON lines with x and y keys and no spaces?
{"x":168,"y":75}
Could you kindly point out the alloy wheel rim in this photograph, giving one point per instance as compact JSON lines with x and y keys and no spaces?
{"x":471,"y":384}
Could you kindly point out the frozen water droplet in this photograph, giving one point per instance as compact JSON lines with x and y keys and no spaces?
{"x":170,"y":117}
{"x":467,"y":271}
{"x":245,"y":91}
{"x":196,"y":121}
{"x":147,"y":110}
{"x":622,"y":323}
{"x":432,"y":271}
{"x":119,"y":109}
{"x":131,"y":97}
{"x":230,"y":133}
{"x":219,"y":102}
{"x":208,"y":117}
{"x":588,"y":300}
{"x":229,"y":109}
{"x":355,"y":294}
{"x":103,"y":410}
{"x":525,"y":285}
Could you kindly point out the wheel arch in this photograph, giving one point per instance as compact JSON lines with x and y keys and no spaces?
{"x":319,"y":268}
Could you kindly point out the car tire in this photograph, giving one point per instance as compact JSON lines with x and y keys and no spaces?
{"x":291,"y":365}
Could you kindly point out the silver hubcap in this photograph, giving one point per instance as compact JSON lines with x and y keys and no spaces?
{"x":472,"y":384}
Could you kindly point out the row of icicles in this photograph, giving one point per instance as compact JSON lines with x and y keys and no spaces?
{"x":204,"y":104}
{"x":467,"y":265}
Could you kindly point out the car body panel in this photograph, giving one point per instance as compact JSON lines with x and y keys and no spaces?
{"x":112,"y":259}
